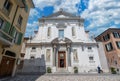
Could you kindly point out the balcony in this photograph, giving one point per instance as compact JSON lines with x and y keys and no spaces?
{"x":5,"y":38}
{"x":20,"y":3}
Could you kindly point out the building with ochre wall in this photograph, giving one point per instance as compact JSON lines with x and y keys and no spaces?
{"x":110,"y":39}
{"x":13,"y":19}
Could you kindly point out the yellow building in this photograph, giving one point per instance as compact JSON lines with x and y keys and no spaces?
{"x":13,"y":19}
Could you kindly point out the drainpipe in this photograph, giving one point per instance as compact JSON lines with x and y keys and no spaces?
{"x":13,"y":19}
{"x":15,"y":66}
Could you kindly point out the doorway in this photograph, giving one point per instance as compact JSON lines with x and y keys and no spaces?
{"x":6,"y":66}
{"x":61,"y":59}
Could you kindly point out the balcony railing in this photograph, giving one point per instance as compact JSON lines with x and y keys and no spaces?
{"x":5,"y":38}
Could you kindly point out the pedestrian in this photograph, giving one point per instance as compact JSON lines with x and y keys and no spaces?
{"x":98,"y":69}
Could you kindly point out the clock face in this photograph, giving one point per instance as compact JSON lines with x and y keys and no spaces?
{"x":61,"y":55}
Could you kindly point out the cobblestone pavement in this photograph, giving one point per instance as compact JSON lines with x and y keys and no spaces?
{"x":63,"y":77}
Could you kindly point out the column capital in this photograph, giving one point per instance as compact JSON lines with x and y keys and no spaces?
{"x":68,"y":46}
{"x":54,"y":46}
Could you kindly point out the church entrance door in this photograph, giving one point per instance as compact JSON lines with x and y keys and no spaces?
{"x":61,"y":59}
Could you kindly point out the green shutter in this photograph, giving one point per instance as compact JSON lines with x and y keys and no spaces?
{"x":12,"y":31}
{"x":19,"y":38}
{"x":26,"y":7}
{"x":6,"y":27}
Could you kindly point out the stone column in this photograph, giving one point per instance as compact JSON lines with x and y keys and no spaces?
{"x":54,"y":55}
{"x":69,"y":55}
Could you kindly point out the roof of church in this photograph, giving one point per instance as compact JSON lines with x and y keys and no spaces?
{"x":62,"y":12}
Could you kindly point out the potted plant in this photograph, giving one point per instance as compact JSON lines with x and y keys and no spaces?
{"x":49,"y":70}
{"x":113,"y":70}
{"x":75,"y":69}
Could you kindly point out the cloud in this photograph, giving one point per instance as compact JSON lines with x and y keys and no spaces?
{"x":102,"y":14}
{"x":68,"y":5}
{"x":31,"y":27}
{"x":34,"y":12}
{"x":43,"y":3}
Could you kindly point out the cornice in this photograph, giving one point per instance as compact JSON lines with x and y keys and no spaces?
{"x":73,"y":18}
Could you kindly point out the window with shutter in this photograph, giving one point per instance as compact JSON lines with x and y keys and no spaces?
{"x":1,"y":23}
{"x":19,"y":39}
{"x":15,"y":35}
{"x":13,"y":30}
{"x":6,"y":27}
{"x":26,"y":6}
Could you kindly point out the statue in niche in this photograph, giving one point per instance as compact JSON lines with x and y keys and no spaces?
{"x":48,"y":55}
{"x":75,"y":56}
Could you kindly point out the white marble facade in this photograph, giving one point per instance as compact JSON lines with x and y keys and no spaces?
{"x":62,"y":43}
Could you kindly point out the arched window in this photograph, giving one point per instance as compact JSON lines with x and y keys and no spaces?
{"x":73,"y":31}
{"x":49,"y":32}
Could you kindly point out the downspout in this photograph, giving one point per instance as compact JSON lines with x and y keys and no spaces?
{"x":13,"y":19}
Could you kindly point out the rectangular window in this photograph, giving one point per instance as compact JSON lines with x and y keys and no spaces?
{"x":32,"y":58}
{"x":7,"y":5}
{"x":20,"y":20}
{"x":1,"y":23}
{"x":89,"y":48}
{"x":109,"y":47}
{"x":91,"y":58}
{"x":61,"y":33}
{"x":33,"y":49}
{"x":49,"y":32}
{"x":15,"y":37}
{"x":118,"y":44}
{"x":106,"y":37}
{"x":73,"y":31}
{"x":116,"y":35}
{"x":19,"y":38}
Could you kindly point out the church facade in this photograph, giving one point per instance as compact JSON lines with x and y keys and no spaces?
{"x":62,"y":44}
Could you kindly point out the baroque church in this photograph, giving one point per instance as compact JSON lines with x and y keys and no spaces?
{"x":61,"y":43}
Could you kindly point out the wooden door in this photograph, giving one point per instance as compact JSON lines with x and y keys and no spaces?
{"x":61,"y":59}
{"x":6,"y":66}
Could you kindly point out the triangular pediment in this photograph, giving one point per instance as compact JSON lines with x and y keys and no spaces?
{"x":61,"y":14}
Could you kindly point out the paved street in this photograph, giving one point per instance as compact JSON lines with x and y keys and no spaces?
{"x":64,"y":77}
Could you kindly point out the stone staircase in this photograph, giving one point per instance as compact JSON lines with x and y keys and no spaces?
{"x":62,"y":71}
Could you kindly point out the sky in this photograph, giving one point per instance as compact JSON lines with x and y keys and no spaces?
{"x":99,"y":15}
